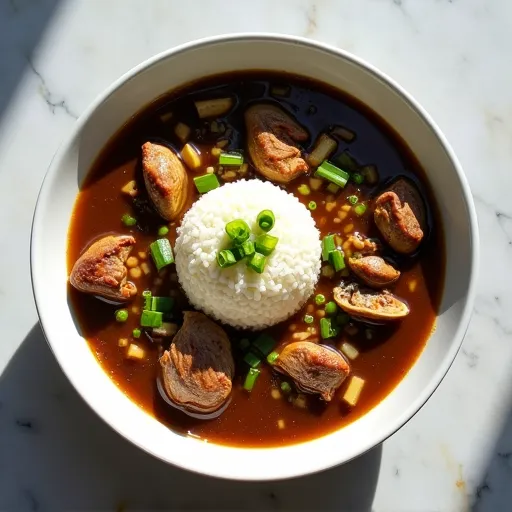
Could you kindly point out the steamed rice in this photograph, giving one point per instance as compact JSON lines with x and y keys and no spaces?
{"x":237,"y":295}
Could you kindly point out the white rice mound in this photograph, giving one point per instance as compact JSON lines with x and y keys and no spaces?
{"x":237,"y":295}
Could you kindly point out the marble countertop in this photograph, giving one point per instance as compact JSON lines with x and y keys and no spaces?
{"x":453,"y":56}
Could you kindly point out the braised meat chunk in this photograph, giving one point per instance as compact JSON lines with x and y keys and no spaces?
{"x":198,"y":368}
{"x":315,"y":368}
{"x":374,"y":271}
{"x":272,"y":136}
{"x":400,"y":216}
{"x":166,"y":179}
{"x":101,"y":269}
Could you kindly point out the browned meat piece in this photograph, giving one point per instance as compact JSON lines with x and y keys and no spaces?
{"x":101,"y":270}
{"x":365,"y":303}
{"x":400,"y":216}
{"x":272,"y":136}
{"x":314,"y":368}
{"x":198,"y":367}
{"x":374,"y":271}
{"x":166,"y":179}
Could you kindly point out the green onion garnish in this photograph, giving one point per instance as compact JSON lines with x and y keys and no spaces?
{"x":327,"y":330}
{"x":206,"y":183}
{"x":251,"y":378}
{"x":272,"y":357}
{"x":151,"y":318}
{"x":238,"y":252}
{"x":162,"y":253}
{"x":312,"y":205}
{"x":146,"y":295}
{"x":264,"y":343}
{"x":332,"y":173}
{"x":328,"y":246}
{"x":357,"y":178}
{"x":337,"y":260}
{"x":248,"y":248}
{"x":360,"y":209}
{"x":136,"y":332}
{"x":232,"y":158}
{"x":303,"y":190}
{"x":257,"y":262}
{"x":162,"y":304}
{"x":352,"y":199}
{"x":244,"y":344}
{"x":252,"y":359}
{"x":238,"y":230}
{"x":225,"y":258}
{"x":333,"y":188}
{"x":309,"y":319}
{"x":121,"y":315}
{"x":128,"y":220}
{"x":163,"y":230}
{"x":265,"y":244}
{"x":320,"y":299}
{"x":347,"y":161}
{"x":266,"y":220}
{"x":285,"y":387}
{"x":331,"y":308}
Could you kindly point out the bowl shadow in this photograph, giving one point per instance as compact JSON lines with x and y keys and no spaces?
{"x":61,"y":456}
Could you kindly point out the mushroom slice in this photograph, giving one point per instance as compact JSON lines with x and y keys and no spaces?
{"x":101,"y":269}
{"x":374,"y":271}
{"x":369,"y":304}
{"x":198,"y":368}
{"x":166,"y":179}
{"x":272,"y":136}
{"x":400,"y":216}
{"x":315,"y":368}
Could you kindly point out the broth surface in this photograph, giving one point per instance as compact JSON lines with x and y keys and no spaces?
{"x":252,"y":418}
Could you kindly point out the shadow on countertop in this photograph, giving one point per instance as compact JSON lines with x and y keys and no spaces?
{"x":56,"y":454}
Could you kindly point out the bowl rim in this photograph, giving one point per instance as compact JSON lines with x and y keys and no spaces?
{"x":462,"y":327}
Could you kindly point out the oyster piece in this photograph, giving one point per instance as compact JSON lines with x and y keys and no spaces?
{"x":399,"y":214}
{"x":101,"y":269}
{"x":373,"y":271}
{"x":369,"y":304}
{"x":315,"y":368}
{"x":166,"y":179}
{"x":198,"y":368}
{"x":272,"y":136}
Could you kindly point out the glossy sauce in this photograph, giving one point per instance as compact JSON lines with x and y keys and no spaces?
{"x":252,"y":419}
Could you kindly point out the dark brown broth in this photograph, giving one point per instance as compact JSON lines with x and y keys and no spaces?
{"x":251,"y":419}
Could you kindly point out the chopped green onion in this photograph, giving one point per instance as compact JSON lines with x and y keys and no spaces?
{"x":128,"y":220}
{"x":360,"y":209}
{"x":146,"y":295}
{"x":352,"y":199}
{"x":248,"y":248}
{"x":121,"y":315}
{"x":333,"y":188}
{"x":162,"y":304}
{"x":257,"y":262}
{"x":309,"y":319}
{"x":232,"y":158}
{"x":342,"y":319}
{"x":327,"y":330}
{"x":244,"y":344}
{"x":285,"y":387}
{"x":312,"y":205}
{"x":303,"y":190}
{"x":163,"y":230}
{"x":238,"y":252}
{"x":162,"y":253}
{"x":332,"y":173}
{"x":238,"y":230}
{"x":266,"y":220}
{"x":265,"y":244}
{"x":225,"y":258}
{"x":328,"y":246}
{"x":252,"y":359}
{"x":251,"y":378}
{"x":151,"y":318}
{"x":331,"y":308}
{"x":272,"y":357}
{"x":319,"y":299}
{"x":136,"y":332}
{"x":357,"y":178}
{"x":264,"y":343}
{"x":337,"y":260}
{"x":206,"y":183}
{"x":347,"y":161}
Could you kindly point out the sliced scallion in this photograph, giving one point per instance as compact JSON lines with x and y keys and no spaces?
{"x":352,"y":200}
{"x":233,"y":158}
{"x":121,"y":315}
{"x":320,"y":299}
{"x":238,"y":230}
{"x":162,"y":304}
{"x":237,"y":252}
{"x":251,"y":378}
{"x":136,"y":332}
{"x":327,"y":330}
{"x":162,"y":253}
{"x":285,"y":387}
{"x":328,"y":246}
{"x":248,"y":248}
{"x":264,"y":343}
{"x":146,"y":295}
{"x":360,"y":209}
{"x":266,"y":220}
{"x":151,"y":318}
{"x":265,"y":244}
{"x":347,"y":161}
{"x":309,"y":319}
{"x":337,"y":260}
{"x":206,"y":183}
{"x":225,"y":258}
{"x":257,"y":262}
{"x":312,"y":205}
{"x":252,"y":359}
{"x":128,"y":220}
{"x":357,"y":178}
{"x":272,"y":357}
{"x":332,"y":173}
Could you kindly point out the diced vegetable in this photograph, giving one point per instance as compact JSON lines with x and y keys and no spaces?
{"x":162,"y":253}
{"x":333,"y":188}
{"x":264,"y":343}
{"x":319,"y":299}
{"x":248,"y":248}
{"x":324,"y":148}
{"x":166,"y":330}
{"x":266,"y":220}
{"x":122,"y":342}
{"x":163,"y":230}
{"x":280,"y":90}
{"x":328,"y":246}
{"x":233,"y":158}
{"x":252,"y":359}
{"x":349,"y":350}
{"x":331,"y":308}
{"x":327,"y":329}
{"x":332,"y":173}
{"x":357,"y":178}
{"x":238,"y":230}
{"x":312,"y":205}
{"x":135,"y":352}
{"x":214,"y":107}
{"x":128,"y":220}
{"x":182,"y":131}
{"x":226,"y":258}
{"x":251,"y":378}
{"x":237,"y":252}
{"x":303,"y":190}
{"x":191,"y":156}
{"x":352,"y":200}
{"x":257,"y":262}
{"x":353,"y":391}
{"x":281,"y":425}
{"x":370,"y":174}
{"x":206,"y":183}
{"x":121,"y":315}
{"x":343,"y":133}
{"x":309,"y":319}
{"x":130,"y":189}
{"x":136,"y":332}
{"x":315,"y":183}
{"x":151,"y":318}
{"x":272,"y":357}
{"x":146,"y":295}
{"x":285,"y":387}
{"x":337,"y":260}
{"x":360,"y":209}
{"x":265,"y":244}
{"x":327,"y":271}
{"x":347,"y":162}
{"x":162,"y":304}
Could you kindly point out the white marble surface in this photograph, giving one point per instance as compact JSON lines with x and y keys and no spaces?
{"x":454,"y":56}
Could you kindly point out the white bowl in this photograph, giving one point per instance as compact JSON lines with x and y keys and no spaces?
{"x":177,"y":67}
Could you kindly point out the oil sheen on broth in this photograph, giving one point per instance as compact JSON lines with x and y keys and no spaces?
{"x":365,"y":145}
